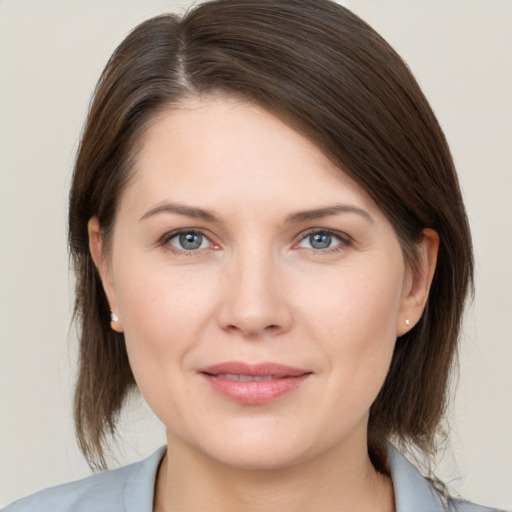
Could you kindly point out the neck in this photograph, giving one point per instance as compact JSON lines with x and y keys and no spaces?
{"x":342,"y":480}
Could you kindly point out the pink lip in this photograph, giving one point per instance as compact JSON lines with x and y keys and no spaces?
{"x":285,"y":379}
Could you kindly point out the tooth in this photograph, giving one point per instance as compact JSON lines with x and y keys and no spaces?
{"x":227,"y":376}
{"x":245,"y":378}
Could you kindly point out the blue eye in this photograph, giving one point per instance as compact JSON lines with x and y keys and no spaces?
{"x":321,"y":240}
{"x":189,"y":241}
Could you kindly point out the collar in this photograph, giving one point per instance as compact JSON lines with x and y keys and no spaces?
{"x":412,"y":491}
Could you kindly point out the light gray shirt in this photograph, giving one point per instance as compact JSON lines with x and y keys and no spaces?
{"x":131,"y":489}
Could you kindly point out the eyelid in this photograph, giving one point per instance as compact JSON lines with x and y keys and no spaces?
{"x":167,"y":237}
{"x":345,"y":240}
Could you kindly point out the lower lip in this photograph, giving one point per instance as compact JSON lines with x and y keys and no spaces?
{"x":255,"y":392}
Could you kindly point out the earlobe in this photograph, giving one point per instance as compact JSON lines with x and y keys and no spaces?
{"x":101,"y":263}
{"x":115,"y":322}
{"x":418,"y":282}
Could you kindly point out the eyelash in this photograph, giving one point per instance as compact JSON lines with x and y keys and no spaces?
{"x":164,"y":242}
{"x":345,"y":241}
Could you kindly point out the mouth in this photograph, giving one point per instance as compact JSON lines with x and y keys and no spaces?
{"x":254,"y":384}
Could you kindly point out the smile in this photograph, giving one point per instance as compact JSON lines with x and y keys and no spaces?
{"x":253,"y":384}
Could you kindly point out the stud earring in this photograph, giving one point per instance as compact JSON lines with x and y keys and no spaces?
{"x":407,"y":321}
{"x":113,"y":317}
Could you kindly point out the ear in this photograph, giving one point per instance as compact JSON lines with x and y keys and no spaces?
{"x":417,"y":282}
{"x":102,"y":265}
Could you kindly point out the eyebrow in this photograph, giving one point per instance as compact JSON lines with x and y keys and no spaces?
{"x":328,"y":211}
{"x":180,"y":209}
{"x":302,"y":216}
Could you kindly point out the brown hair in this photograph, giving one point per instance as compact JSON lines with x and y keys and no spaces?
{"x":328,"y":74}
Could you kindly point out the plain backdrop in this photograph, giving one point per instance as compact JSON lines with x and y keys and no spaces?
{"x":51,"y":54}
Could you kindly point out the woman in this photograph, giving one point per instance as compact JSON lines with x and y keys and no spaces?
{"x":270,"y":243}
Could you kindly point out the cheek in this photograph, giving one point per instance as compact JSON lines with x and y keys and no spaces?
{"x":354,"y":303}
{"x":164,"y":314}
{"x":162,"y":311}
{"x":353,"y":318}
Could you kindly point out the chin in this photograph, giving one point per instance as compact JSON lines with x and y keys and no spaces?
{"x":257,"y":458}
{"x":256,"y":448}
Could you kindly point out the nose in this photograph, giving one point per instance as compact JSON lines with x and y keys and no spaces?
{"x":254,"y":302}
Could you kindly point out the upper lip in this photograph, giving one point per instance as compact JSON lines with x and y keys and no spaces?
{"x":276,"y":370}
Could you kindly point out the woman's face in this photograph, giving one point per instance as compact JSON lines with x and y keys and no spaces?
{"x":260,"y":290}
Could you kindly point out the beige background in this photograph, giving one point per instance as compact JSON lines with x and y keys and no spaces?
{"x":52,"y":52}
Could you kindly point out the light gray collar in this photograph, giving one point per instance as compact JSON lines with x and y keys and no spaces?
{"x":413,"y":493}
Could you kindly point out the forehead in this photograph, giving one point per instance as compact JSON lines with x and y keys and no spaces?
{"x":224,"y":152}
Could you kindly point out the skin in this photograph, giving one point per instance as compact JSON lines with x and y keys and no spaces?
{"x":257,"y":290}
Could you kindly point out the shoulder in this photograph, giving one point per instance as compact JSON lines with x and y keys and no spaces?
{"x":126,"y":489}
{"x":414,"y":493}
{"x":466,"y":506}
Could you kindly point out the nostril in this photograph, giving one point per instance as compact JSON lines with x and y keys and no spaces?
{"x":252,"y":331}
{"x":253,"y":318}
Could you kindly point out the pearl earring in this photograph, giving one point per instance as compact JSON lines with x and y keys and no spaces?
{"x":113,"y":317}
{"x":407,"y":321}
